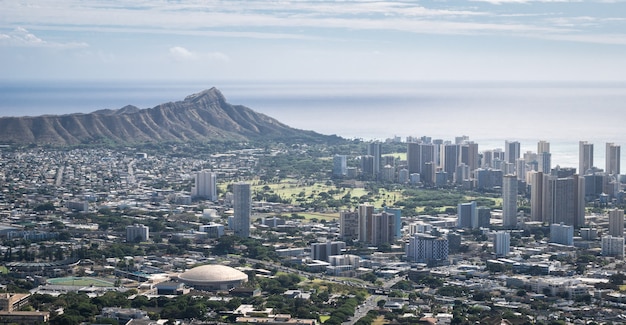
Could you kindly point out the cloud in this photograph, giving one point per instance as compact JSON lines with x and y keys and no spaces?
{"x":296,"y":19}
{"x":181,"y":54}
{"x":501,"y":2}
{"x":22,"y":37}
{"x":606,"y":39}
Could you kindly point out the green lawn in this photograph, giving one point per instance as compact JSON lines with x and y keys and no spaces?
{"x":291,"y":189}
{"x":319,"y":216}
{"x":81,"y":281}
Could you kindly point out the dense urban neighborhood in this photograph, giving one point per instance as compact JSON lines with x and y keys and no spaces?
{"x":402,"y":231}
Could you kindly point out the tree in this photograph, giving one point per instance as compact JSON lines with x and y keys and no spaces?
{"x":617,"y":279}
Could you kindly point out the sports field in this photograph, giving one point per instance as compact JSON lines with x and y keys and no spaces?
{"x":80,"y":281}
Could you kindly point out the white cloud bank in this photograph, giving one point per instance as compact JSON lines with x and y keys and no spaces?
{"x":182,"y":54}
{"x":22,"y":37}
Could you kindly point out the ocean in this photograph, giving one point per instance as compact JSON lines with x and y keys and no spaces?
{"x":490,"y":113}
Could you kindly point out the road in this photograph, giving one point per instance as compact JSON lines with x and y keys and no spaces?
{"x":361,"y":311}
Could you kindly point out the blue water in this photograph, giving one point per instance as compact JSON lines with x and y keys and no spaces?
{"x":488,"y":112}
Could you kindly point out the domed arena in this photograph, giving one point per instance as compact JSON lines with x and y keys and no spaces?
{"x":213,"y":277}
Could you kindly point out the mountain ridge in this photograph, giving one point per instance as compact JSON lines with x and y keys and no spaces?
{"x":203,"y":116}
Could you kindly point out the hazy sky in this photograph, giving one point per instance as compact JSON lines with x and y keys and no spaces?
{"x":313,"y":40}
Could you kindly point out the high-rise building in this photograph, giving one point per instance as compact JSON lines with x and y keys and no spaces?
{"x":562,"y":172}
{"x":461,"y":139}
{"x":450,"y":159}
{"x":501,"y":243}
{"x":349,"y":225}
{"x":423,"y":248}
{"x":340,"y":165}
{"x":467,"y":215}
{"x":562,"y":234}
{"x":428,"y":174}
{"x":612,"y":159}
{"x":322,"y":251}
{"x":383,"y":230}
{"x":536,"y":196}
{"x":137,"y":233}
{"x":205,"y":186}
{"x":544,"y":162}
{"x":441,"y":177}
{"x":213,"y":230}
{"x":419,"y":154}
{"x":563,"y":200}
{"x":616,"y":222}
{"x":398,"y":220}
{"x":388,"y":174}
{"x":520,"y":169}
{"x":511,"y":151}
{"x":585,"y":157}
{"x":367,"y":167}
{"x":462,"y":173}
{"x":509,"y":201}
{"x":612,"y":246}
{"x":469,"y":156}
{"x":366,"y":222}
{"x":543,"y":146}
{"x":374,"y":150}
{"x":484,"y":217}
{"x":242,"y":206}
{"x":413,"y":157}
{"x":403,"y":176}
{"x":488,"y":178}
{"x":487,"y":159}
{"x":427,"y":153}
{"x":438,"y":143}
{"x":597,"y":185}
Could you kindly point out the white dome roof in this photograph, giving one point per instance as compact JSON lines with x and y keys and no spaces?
{"x":212,"y":273}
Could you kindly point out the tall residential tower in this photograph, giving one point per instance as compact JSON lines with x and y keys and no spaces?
{"x":242,"y":206}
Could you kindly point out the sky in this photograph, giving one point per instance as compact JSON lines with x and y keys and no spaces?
{"x":313,"y":40}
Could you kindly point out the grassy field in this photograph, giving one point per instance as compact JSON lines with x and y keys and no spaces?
{"x":4,"y":270}
{"x":324,"y":318}
{"x":380,"y":320}
{"x":81,"y":281}
{"x":401,"y":155}
{"x":294,"y":190}
{"x":320,"y":216}
{"x":327,"y":199}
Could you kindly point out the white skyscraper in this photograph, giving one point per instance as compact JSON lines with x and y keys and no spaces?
{"x":137,"y":233}
{"x":501,"y":243}
{"x":205,"y":186}
{"x":536,"y":196}
{"x":366,"y":223}
{"x":585,"y":157}
{"x":543,"y":146}
{"x":562,"y":234}
{"x":428,"y":249}
{"x":242,"y":205}
{"x":612,"y":246}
